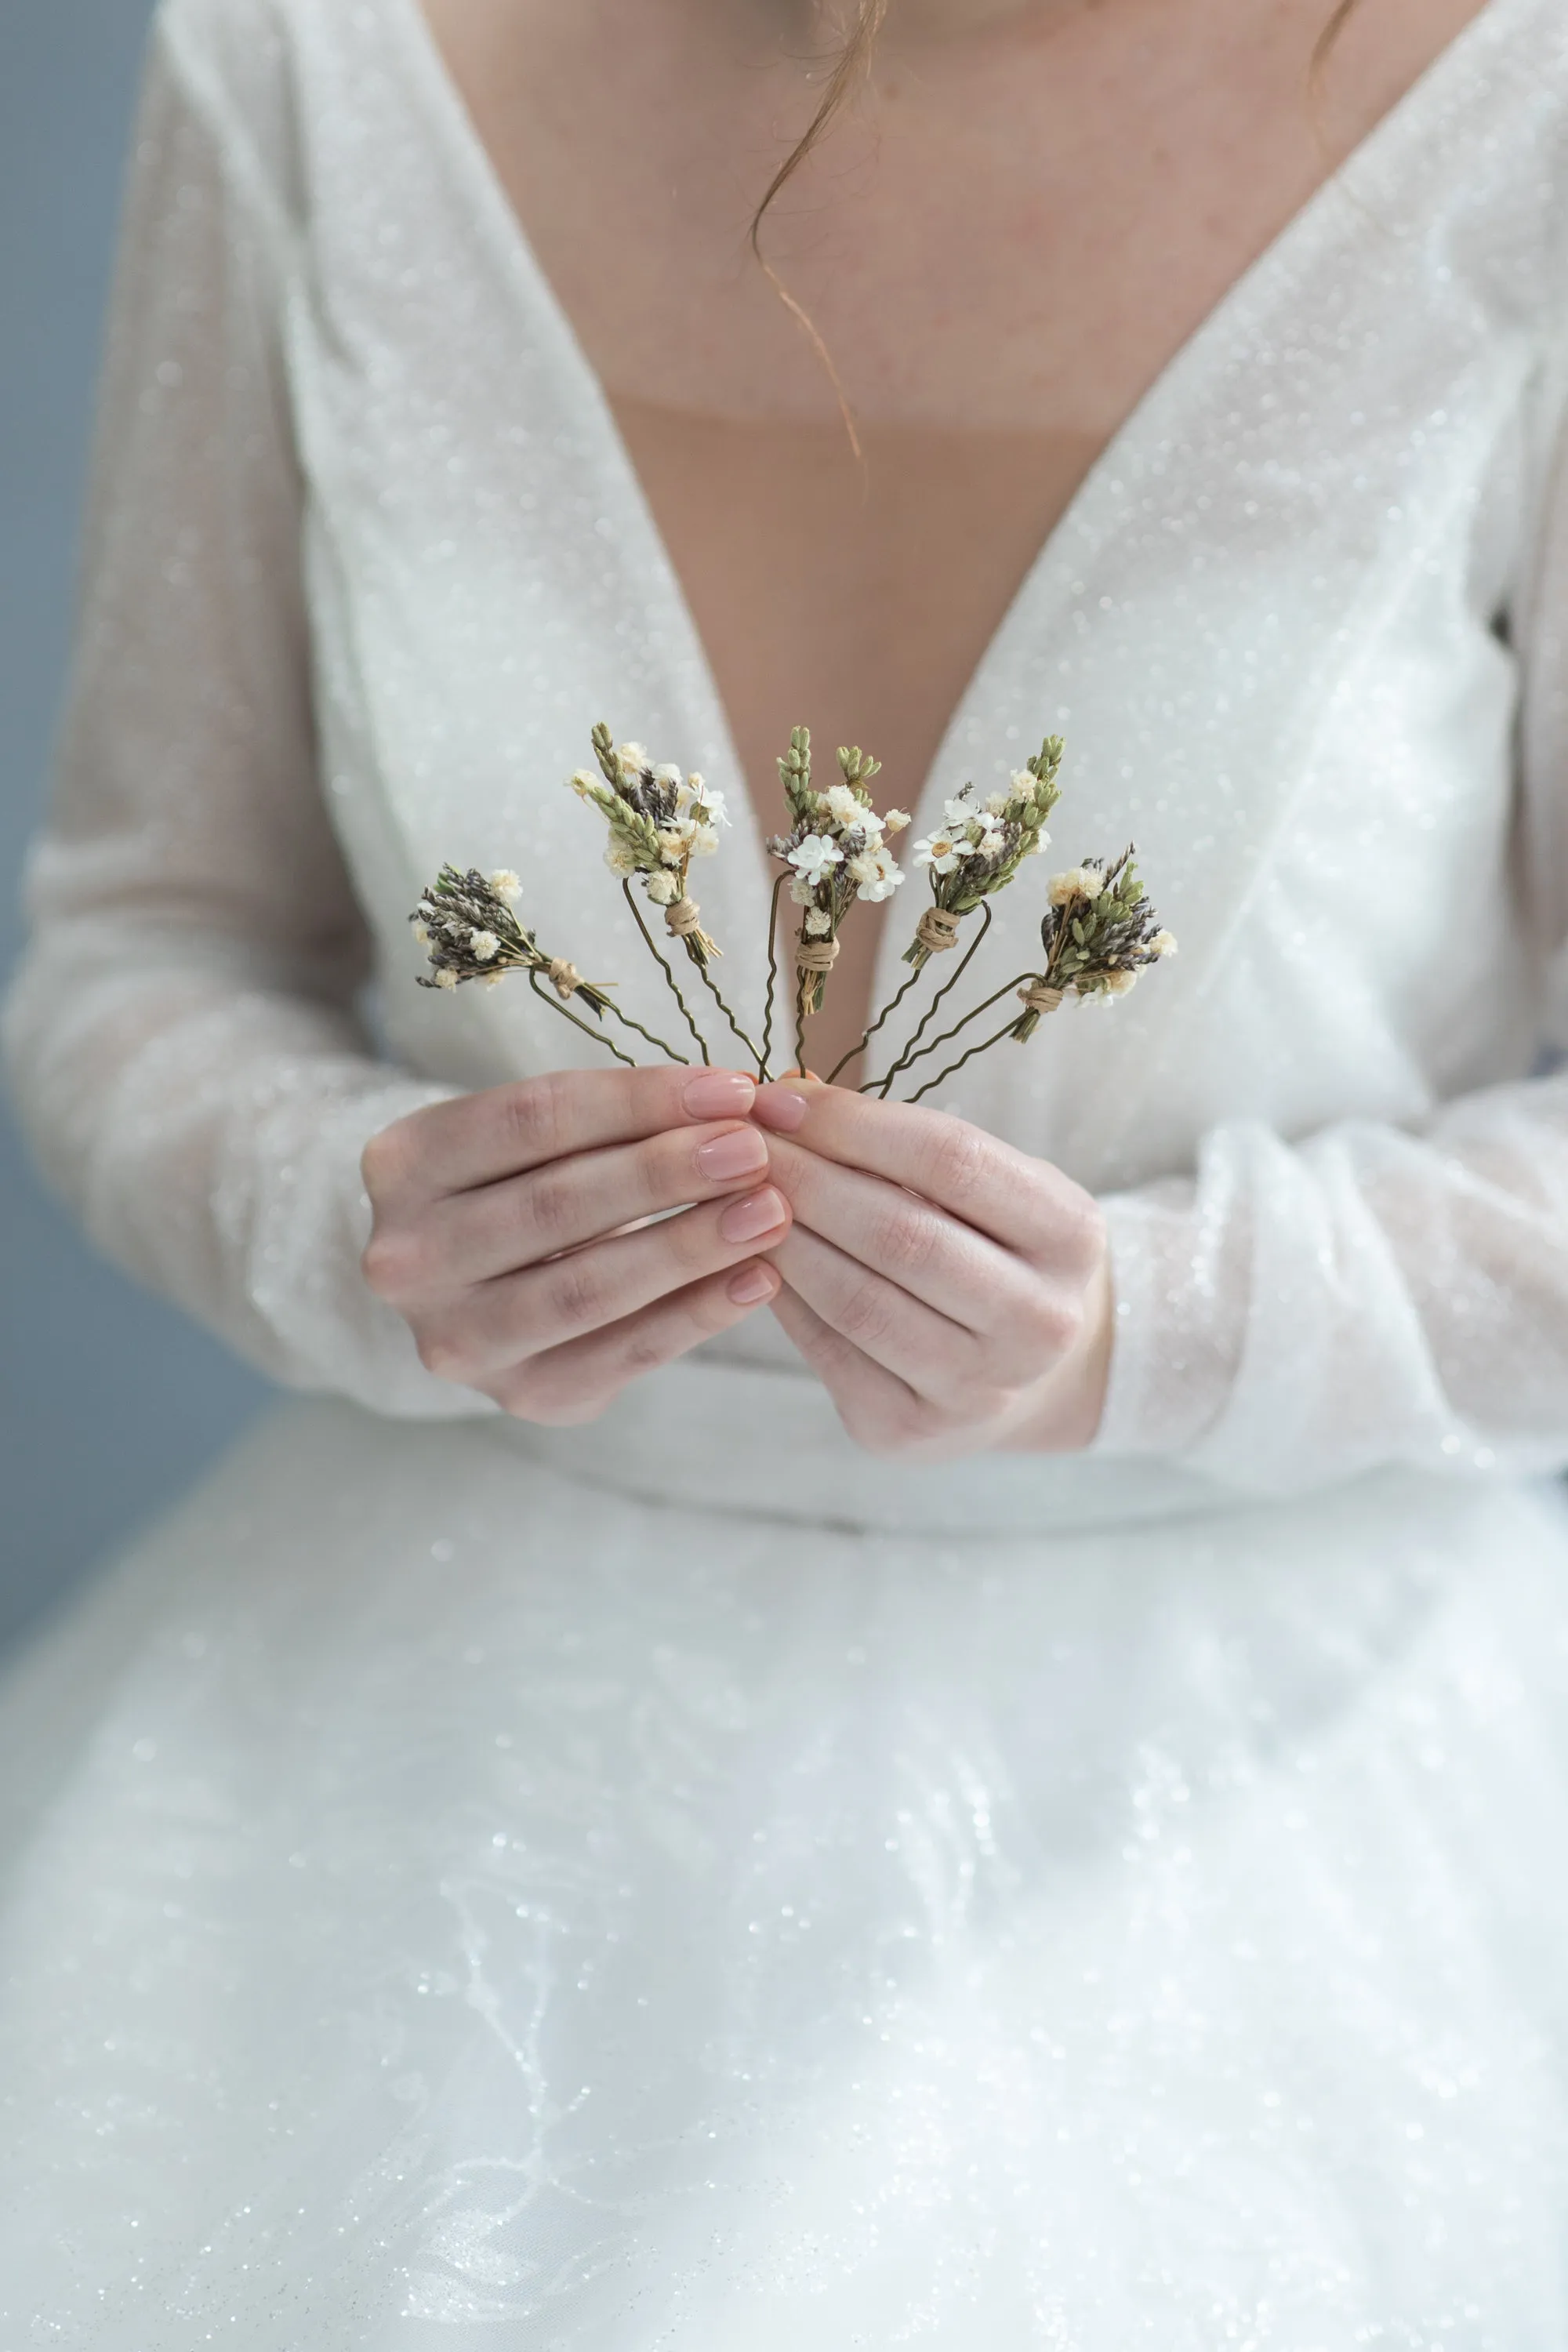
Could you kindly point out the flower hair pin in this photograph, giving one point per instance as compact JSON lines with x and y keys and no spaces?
{"x":1098,"y":935}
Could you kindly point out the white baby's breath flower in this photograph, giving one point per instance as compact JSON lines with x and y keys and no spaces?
{"x":675,"y":840}
{"x":667,"y":773}
{"x":704,"y":841}
{"x":506,"y":887}
{"x":1117,"y":984}
{"x":998,"y":803}
{"x":446,"y":978}
{"x":585,"y":783}
{"x":897,"y":819}
{"x":619,"y":856}
{"x":848,"y":807}
{"x":818,"y":923}
{"x":664,"y":888}
{"x":632,"y":759}
{"x":422,"y":932}
{"x":1078,"y":882}
{"x":483,"y":946}
{"x":816,"y":856}
{"x":1163,"y":943}
{"x":803,"y":892}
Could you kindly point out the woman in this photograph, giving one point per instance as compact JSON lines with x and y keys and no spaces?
{"x":1015,"y":1799}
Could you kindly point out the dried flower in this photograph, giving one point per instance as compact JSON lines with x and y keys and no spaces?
{"x":982,"y":846}
{"x":1098,"y":933}
{"x":836,"y":854}
{"x":660,"y":820}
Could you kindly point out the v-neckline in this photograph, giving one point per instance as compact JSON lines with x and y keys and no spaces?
{"x":1087,"y":513}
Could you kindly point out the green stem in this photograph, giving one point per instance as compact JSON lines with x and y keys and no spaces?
{"x":985,"y":1046}
{"x":668,"y":971}
{"x":772,"y":976}
{"x":907,"y":1063}
{"x":908,"y":1055}
{"x":551,"y":998}
{"x":628,"y":1021}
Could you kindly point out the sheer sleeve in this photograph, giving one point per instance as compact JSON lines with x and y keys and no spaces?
{"x":1294,"y":1313}
{"x":182,"y":1037}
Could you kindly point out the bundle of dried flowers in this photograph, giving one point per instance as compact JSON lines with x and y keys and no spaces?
{"x":659,"y":821}
{"x":835,"y":852}
{"x":1099,"y":931}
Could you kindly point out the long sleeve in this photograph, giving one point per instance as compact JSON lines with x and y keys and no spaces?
{"x":1298,"y":1311}
{"x":182,"y":1038}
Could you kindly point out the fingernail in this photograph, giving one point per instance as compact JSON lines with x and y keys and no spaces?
{"x":752,"y":1285}
{"x":740,"y":1153}
{"x":717,"y":1094}
{"x":758,"y":1213}
{"x":784,"y":1107}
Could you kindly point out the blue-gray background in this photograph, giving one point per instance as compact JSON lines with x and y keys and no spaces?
{"x":109,"y":1403}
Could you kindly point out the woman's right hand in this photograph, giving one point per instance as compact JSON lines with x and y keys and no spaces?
{"x":499,"y":1230}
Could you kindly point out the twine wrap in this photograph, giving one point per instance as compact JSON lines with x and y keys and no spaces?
{"x":564,"y":977}
{"x":816,"y":955}
{"x":684,"y":917}
{"x":1040,"y":997}
{"x":937,"y":929}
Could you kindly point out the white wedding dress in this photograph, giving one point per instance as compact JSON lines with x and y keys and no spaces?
{"x":681,"y":1883}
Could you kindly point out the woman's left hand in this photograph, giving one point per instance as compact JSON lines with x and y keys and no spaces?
{"x":951,"y":1294}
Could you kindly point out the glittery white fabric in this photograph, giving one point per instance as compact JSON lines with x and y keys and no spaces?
{"x":463,"y":1887}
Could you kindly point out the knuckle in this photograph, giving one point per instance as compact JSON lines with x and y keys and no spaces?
{"x":391,"y":1264}
{"x":904,"y":1239}
{"x":442,"y":1353}
{"x":865,"y":1313}
{"x":575,"y":1294}
{"x":544,"y":1205}
{"x":958,"y":1163}
{"x":384,"y":1161}
{"x":534,"y":1114}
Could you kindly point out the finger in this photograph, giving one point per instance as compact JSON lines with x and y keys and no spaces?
{"x":1025,"y":1204}
{"x":471,"y":1237}
{"x":932,"y":1356}
{"x":932,"y":1255}
{"x":451,"y":1147}
{"x":575,"y":1383}
{"x":880,"y":1411}
{"x":491,"y":1328}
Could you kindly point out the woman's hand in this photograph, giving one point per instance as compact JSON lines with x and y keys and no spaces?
{"x":952,"y":1295}
{"x":501,"y":1219}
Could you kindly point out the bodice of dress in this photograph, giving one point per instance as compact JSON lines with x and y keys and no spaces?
{"x":368,"y":557}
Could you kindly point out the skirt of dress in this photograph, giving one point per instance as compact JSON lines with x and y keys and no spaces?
{"x":453,"y":1898}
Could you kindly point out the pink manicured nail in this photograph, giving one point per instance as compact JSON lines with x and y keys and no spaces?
{"x":752,"y":1286}
{"x":740,"y":1153}
{"x":784,"y":1107}
{"x":717,"y":1094}
{"x":758,"y":1213}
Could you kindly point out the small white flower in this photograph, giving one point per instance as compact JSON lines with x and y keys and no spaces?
{"x":1117,"y":983}
{"x":875,"y":873}
{"x":1042,"y":840}
{"x":704,"y":841}
{"x":446,"y":978}
{"x":586,"y":782}
{"x":506,"y":887}
{"x":632,"y":759}
{"x":817,"y":924}
{"x":897,"y":819}
{"x":664,"y":888}
{"x":816,"y":857}
{"x":620,"y":856}
{"x":675,"y":840}
{"x":1022,"y":784}
{"x":960,"y":809}
{"x":700,"y":801}
{"x":422,"y":932}
{"x":1163,"y":943}
{"x":1078,"y":882}
{"x":848,"y":807}
{"x":940,"y":852}
{"x":803,"y":892}
{"x":483,"y":946}
{"x":999,"y":803}
{"x":668,"y":774}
